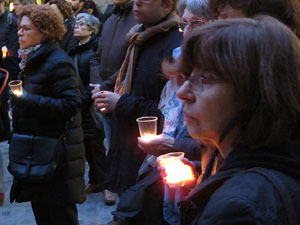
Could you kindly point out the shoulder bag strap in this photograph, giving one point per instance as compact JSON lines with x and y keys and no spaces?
{"x":282,"y":190}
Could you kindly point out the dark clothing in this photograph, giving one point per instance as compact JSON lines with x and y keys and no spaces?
{"x":93,"y":135}
{"x":112,"y":47}
{"x":51,"y":99}
{"x":4,"y":118}
{"x":124,"y":155}
{"x":49,"y":207}
{"x":232,"y":196}
{"x":84,"y":53}
{"x":68,"y":41}
{"x":9,"y":38}
{"x":137,"y":204}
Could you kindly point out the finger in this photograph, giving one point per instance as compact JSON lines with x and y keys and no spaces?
{"x":98,"y":95}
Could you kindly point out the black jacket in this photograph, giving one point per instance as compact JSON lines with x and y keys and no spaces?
{"x":9,"y":38}
{"x":68,"y":41}
{"x":112,"y":47}
{"x":124,"y":155}
{"x":52,"y":99}
{"x":84,"y":53}
{"x":232,"y":196}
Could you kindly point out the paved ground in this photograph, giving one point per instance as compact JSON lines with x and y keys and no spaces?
{"x":92,"y":212}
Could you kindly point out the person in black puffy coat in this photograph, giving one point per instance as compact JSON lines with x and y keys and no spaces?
{"x":85,"y":30}
{"x":50,"y":101}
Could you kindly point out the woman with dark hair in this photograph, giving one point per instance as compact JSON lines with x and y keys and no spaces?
{"x":242,"y":96}
{"x":91,"y":7}
{"x":286,"y":11}
{"x":65,"y":8}
{"x":50,"y":108}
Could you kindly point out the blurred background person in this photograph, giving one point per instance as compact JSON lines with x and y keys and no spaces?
{"x":286,"y":11}
{"x":86,"y":31}
{"x":65,"y":8}
{"x":91,"y":8}
{"x":3,"y":130}
{"x":19,"y":4}
{"x":77,"y":7}
{"x":50,"y":99}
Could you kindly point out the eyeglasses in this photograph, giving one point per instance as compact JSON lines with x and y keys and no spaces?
{"x":198,"y":81}
{"x":192,"y":24}
{"x":80,"y":24}
{"x":143,"y":1}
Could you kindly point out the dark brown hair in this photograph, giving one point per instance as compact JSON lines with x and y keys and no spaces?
{"x":287,"y":11}
{"x":260,"y":58}
{"x":64,"y":7}
{"x":45,"y":19}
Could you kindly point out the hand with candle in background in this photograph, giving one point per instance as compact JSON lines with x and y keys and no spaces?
{"x":157,"y":146}
{"x":177,"y":173}
{"x":107,"y":100}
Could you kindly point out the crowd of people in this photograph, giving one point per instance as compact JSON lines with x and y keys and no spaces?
{"x":221,"y":76}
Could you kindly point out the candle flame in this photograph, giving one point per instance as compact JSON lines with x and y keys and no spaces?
{"x":150,"y":137}
{"x":102,"y":109}
{"x":177,"y":172}
{"x":4,"y":52}
{"x":18,"y":93}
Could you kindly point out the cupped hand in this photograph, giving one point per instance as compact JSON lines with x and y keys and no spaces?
{"x":161,"y":144}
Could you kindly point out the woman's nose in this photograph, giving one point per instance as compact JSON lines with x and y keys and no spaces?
{"x":185,"y":93}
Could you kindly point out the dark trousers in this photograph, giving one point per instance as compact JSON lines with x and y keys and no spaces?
{"x":96,"y":158}
{"x":49,"y":208}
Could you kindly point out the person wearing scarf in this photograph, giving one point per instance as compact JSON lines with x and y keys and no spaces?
{"x":138,"y":87}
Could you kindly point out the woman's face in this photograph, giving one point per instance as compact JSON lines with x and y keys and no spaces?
{"x":208,"y":105}
{"x":81,"y":29}
{"x":190,"y":21}
{"x":29,"y":35}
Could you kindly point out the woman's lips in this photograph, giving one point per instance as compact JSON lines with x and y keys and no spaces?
{"x":188,"y":118}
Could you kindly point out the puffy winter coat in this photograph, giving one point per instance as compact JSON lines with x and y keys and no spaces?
{"x":51,"y":99}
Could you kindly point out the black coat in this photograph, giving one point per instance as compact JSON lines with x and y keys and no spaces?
{"x":68,"y":40}
{"x":234,"y":197}
{"x":112,"y":47}
{"x":52,"y":99}
{"x":9,"y":38}
{"x":124,"y":155}
{"x":84,"y":53}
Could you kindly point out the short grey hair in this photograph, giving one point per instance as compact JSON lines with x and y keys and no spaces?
{"x":199,"y":8}
{"x":92,"y":21}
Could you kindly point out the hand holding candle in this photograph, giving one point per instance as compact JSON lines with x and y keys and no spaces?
{"x":156,"y":145}
{"x":176,"y":172}
{"x":106,"y":101}
{"x":16,"y":87}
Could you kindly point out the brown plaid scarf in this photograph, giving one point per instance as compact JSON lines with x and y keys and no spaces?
{"x":137,"y":37}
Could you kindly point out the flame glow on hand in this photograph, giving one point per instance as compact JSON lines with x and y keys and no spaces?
{"x":150,"y":137}
{"x":177,"y":172}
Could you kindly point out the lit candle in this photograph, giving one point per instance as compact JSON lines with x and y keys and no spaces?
{"x":177,"y":173}
{"x":4,"y":52}
{"x":17,"y":92}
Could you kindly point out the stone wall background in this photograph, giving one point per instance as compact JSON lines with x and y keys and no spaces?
{"x":101,"y":4}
